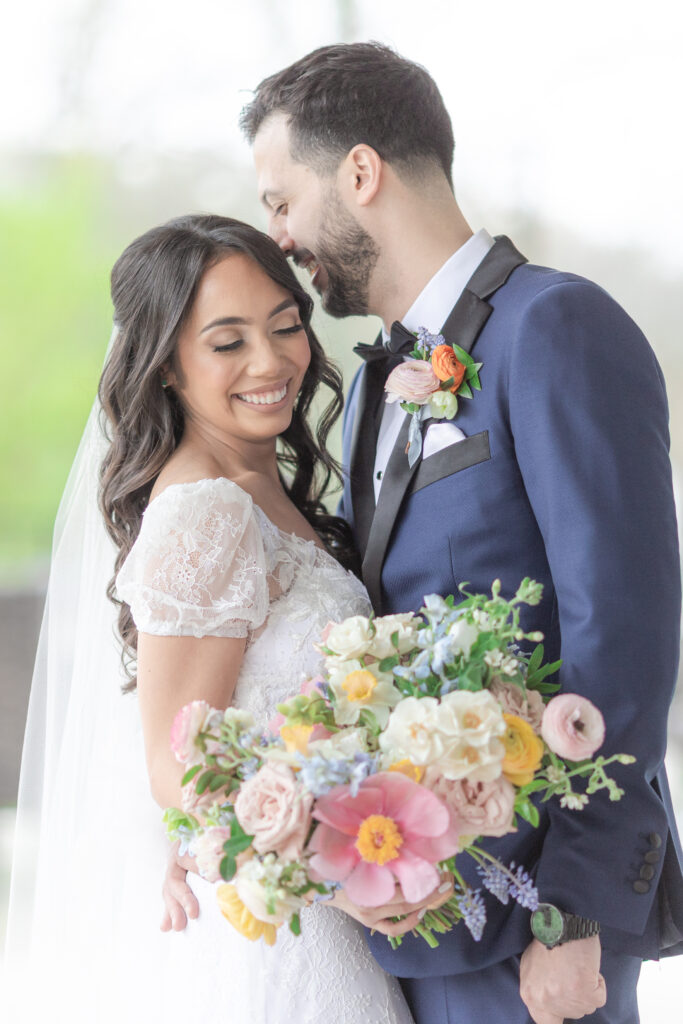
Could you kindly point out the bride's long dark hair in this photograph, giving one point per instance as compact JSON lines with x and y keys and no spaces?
{"x":153,"y":285}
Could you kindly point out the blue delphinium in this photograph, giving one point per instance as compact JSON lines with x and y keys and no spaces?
{"x":471,"y":906}
{"x":321,"y":774}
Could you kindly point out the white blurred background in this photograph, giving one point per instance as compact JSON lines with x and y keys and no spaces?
{"x":117,"y":114}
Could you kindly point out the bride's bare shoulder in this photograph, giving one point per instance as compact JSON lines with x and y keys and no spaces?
{"x":186,"y":468}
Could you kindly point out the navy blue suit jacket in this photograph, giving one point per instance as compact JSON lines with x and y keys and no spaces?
{"x":565,"y":477}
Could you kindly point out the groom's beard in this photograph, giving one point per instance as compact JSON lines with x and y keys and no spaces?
{"x":348,"y":255}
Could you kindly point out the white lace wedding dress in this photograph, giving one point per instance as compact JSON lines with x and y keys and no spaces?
{"x":208,"y":562}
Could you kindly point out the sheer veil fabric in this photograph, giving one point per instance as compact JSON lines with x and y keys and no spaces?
{"x":80,"y":801}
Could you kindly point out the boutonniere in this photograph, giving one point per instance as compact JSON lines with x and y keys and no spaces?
{"x":430,"y":382}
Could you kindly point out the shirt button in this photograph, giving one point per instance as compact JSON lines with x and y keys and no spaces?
{"x":378,"y":475}
{"x":641,"y":886}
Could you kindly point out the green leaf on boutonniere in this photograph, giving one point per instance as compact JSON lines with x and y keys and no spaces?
{"x":464,"y":391}
{"x":410,"y":407}
{"x":446,"y":385}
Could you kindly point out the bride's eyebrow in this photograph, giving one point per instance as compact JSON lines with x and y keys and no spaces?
{"x":228,"y":321}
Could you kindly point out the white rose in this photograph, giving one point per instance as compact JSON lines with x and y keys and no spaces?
{"x":381,"y":645}
{"x":356,"y":686}
{"x":472,"y":726}
{"x":412,"y":732}
{"x":249,"y":885}
{"x":350,"y":638}
{"x":463,"y":634}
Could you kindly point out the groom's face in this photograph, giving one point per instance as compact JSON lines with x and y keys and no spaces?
{"x":310,"y":222}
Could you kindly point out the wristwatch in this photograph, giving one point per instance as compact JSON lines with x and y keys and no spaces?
{"x":553,"y":926}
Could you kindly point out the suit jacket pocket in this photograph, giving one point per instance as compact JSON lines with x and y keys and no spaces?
{"x":461,"y":455}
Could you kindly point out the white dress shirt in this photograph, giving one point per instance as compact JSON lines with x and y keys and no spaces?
{"x":430,"y":310}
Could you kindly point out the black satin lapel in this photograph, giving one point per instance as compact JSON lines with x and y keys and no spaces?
{"x":395,"y":483}
{"x":467,"y":318}
{"x":363,"y":445}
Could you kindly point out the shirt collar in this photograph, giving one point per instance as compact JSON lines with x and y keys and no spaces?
{"x":442,"y":291}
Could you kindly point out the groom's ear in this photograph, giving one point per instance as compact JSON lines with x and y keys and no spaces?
{"x":360,"y":174}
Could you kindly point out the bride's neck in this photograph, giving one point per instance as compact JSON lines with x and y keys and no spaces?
{"x":233,"y":457}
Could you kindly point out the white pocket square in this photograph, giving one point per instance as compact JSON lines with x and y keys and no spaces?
{"x":440,"y":436}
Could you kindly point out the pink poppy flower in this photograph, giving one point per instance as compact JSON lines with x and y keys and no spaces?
{"x":572,"y":726}
{"x":394,"y":830}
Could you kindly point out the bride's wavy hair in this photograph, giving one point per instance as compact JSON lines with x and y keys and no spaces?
{"x":153,"y":286}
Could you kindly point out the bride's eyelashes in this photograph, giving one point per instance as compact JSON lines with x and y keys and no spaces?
{"x":240,"y":341}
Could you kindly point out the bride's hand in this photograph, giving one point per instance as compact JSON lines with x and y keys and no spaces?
{"x":179,"y":900}
{"x":380,"y":919}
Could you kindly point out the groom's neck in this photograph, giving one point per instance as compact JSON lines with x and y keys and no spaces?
{"x":419,"y":237}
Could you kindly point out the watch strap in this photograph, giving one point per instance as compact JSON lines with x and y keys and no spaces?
{"x":576,"y":927}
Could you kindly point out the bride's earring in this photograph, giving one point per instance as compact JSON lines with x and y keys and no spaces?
{"x":165,"y":384}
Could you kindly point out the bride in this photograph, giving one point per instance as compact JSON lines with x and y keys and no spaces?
{"x":222,"y":567}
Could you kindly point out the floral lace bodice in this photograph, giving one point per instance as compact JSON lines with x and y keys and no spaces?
{"x":209,"y":562}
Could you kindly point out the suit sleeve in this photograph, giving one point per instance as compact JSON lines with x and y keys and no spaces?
{"x":588,"y":416}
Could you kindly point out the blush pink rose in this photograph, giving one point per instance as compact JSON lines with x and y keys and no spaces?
{"x":275,"y":809}
{"x":414,"y":381}
{"x":188,"y":723}
{"x":480,"y":808}
{"x":572,"y":727}
{"x":208,"y":852}
{"x":528,"y":706}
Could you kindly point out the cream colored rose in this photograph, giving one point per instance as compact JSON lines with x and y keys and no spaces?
{"x":249,"y":883}
{"x":356,"y":686}
{"x":349,"y":639}
{"x":412,"y":733}
{"x":385,"y":627}
{"x":472,"y":725}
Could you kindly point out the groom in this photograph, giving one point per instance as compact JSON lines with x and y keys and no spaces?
{"x":557,"y":469}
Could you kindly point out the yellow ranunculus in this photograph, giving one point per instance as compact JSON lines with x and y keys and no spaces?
{"x":523,"y":751}
{"x":232,"y":908}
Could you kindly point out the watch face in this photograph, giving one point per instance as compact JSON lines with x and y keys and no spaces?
{"x":547,"y":924}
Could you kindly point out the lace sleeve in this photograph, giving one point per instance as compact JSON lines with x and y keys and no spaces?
{"x":197,"y":567}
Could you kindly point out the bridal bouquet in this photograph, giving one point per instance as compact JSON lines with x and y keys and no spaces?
{"x":424,"y":733}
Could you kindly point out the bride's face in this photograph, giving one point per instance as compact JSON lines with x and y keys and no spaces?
{"x":242,"y":354}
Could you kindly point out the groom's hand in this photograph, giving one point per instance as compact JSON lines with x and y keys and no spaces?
{"x":380,"y":919}
{"x":179,"y":900}
{"x":562,"y":982}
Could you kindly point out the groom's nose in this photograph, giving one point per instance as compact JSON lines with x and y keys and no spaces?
{"x":278,"y":232}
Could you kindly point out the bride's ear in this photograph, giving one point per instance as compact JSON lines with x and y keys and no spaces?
{"x":167,"y":378}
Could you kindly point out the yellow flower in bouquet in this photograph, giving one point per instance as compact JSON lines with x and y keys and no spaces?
{"x":241,"y":918}
{"x":523,"y":751}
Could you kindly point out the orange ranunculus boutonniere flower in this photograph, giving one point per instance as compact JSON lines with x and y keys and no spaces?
{"x":523,"y":751}
{"x":446,"y":365}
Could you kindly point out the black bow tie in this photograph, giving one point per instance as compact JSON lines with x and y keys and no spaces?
{"x":401,"y":341}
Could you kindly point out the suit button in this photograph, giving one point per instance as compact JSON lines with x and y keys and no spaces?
{"x":647,"y":872}
{"x":655,"y":840}
{"x":651,"y":857}
{"x":641,"y":886}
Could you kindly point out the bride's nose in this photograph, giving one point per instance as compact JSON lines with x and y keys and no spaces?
{"x":265,"y":360}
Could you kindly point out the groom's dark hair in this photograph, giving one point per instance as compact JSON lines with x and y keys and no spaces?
{"x":339,"y":96}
